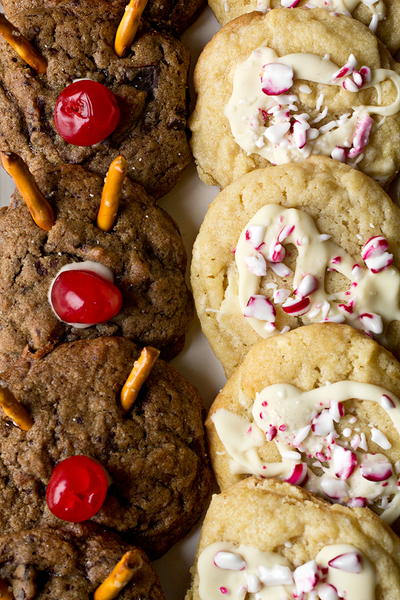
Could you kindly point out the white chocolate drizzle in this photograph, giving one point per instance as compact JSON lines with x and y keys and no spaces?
{"x":242,"y":572}
{"x":370,"y":302}
{"x":264,"y":116}
{"x":320,"y":446}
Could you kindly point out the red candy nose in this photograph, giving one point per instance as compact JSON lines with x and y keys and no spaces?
{"x":77,"y":489}
{"x":86,"y":113}
{"x":84,"y":297}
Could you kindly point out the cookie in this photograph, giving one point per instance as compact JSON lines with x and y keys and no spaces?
{"x":316,"y":407}
{"x":52,"y":564}
{"x":258,"y":269}
{"x":291,"y":83}
{"x":383,"y":18}
{"x":148,"y":87}
{"x":144,"y":251}
{"x":154,"y":454}
{"x":172,"y":16}
{"x":259,"y":534}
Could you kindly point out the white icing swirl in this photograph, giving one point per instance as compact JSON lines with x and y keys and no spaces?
{"x":242,"y":572}
{"x":270,"y":124}
{"x":370,"y":302}
{"x":303,"y":425}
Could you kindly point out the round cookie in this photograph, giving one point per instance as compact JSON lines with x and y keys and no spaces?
{"x":49,"y":564}
{"x":258,"y":114}
{"x":255,"y":518}
{"x":155,"y":455}
{"x":386,"y":23}
{"x":173,"y":16}
{"x":144,"y":250}
{"x":346,"y":209}
{"x":320,"y":404}
{"x":149,"y":83}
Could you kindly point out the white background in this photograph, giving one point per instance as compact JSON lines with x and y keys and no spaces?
{"x":187,"y":204}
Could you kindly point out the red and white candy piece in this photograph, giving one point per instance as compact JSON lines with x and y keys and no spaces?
{"x":259,"y":307}
{"x":372,"y":323}
{"x":255,"y":235}
{"x":276,"y":253}
{"x":343,"y":461}
{"x":83,"y":294}
{"x":322,"y":423}
{"x":307,"y":286}
{"x":229,"y":561}
{"x":271,"y":433}
{"x":350,"y":562}
{"x":327,"y":591}
{"x":299,"y":474}
{"x":290,"y":3}
{"x":361,"y":134}
{"x":376,"y":467}
{"x":375,"y":255}
{"x":276,"y":79}
{"x":296,"y":306}
{"x":347,"y":69}
{"x":357,"y":502}
{"x":306,"y":577}
{"x":257,"y":265}
{"x":336,"y":489}
{"x":386,"y":402}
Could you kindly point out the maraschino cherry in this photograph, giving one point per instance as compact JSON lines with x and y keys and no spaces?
{"x":86,"y":112}
{"x":84,"y":297}
{"x":77,"y":489}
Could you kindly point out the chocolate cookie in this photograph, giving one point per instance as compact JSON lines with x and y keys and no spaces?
{"x":164,"y":15}
{"x":144,"y":250}
{"x":154,"y":454}
{"x":149,"y":85}
{"x":46,"y":564}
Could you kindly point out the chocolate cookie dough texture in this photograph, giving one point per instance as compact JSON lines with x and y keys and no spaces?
{"x":164,"y":15}
{"x":71,"y":564}
{"x":149,"y":84}
{"x":144,"y":251}
{"x":265,"y":537}
{"x":294,"y":244}
{"x":382,"y":17}
{"x":291,"y":83}
{"x":316,"y":407}
{"x":154,"y":453}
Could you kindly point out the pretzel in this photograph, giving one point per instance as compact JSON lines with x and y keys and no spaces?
{"x":128,"y":26}
{"x":119,"y":577}
{"x":141,"y":370}
{"x":22,"y":46}
{"x":41,"y":211}
{"x":15,"y":410}
{"x":111,"y":193}
{"x":5,"y":593}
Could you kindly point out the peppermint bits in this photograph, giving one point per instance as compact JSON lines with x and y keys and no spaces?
{"x":375,"y":255}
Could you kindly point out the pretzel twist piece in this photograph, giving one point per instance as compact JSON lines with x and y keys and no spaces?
{"x":5,"y":593}
{"x":141,"y":370}
{"x":41,"y":211}
{"x":119,"y":577}
{"x":111,"y":193}
{"x":22,"y":46}
{"x":128,"y":26}
{"x":15,"y":410}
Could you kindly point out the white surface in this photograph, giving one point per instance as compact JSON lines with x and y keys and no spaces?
{"x":187,"y":204}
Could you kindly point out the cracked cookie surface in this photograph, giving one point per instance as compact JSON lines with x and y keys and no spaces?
{"x":164,"y":15}
{"x":155,"y":455}
{"x":144,"y":250}
{"x":150,"y":85}
{"x":48,"y":564}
